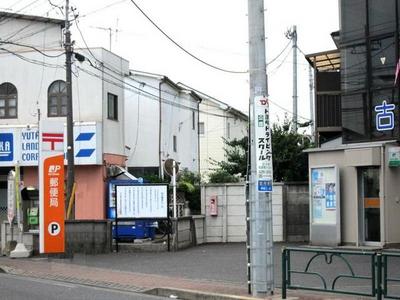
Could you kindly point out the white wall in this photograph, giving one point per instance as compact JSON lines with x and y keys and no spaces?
{"x":230,"y":223}
{"x":216,"y":119}
{"x":142,"y":123}
{"x":32,"y":80}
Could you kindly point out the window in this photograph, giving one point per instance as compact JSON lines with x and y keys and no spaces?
{"x":112,"y":104}
{"x":175,"y":143}
{"x":228,"y":133}
{"x":8,"y":101}
{"x":201,"y":128}
{"x":57,"y":99}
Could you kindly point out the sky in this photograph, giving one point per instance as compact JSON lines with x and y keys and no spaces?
{"x":216,"y":31}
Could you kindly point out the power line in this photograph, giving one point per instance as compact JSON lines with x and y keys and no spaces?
{"x":30,"y":60}
{"x":280,"y":53}
{"x":183,"y":49}
{"x":102,"y":8}
{"x":31,"y":47}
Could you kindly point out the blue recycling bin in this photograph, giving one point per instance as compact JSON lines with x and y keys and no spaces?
{"x":138,"y":229}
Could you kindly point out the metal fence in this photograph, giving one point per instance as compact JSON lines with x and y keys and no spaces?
{"x":361,"y":273}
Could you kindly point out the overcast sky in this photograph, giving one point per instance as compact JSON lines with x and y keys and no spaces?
{"x":216,"y":31}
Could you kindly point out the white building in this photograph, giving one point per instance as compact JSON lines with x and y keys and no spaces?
{"x":32,"y":85}
{"x":161,"y":123}
{"x":218,"y":121}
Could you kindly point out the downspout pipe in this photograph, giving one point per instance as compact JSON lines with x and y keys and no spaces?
{"x":160,"y":169}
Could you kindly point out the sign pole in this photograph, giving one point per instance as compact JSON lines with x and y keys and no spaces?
{"x":11,"y":201}
{"x":20,"y":250}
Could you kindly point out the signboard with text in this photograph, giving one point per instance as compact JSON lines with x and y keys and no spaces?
{"x":22,"y":144}
{"x":51,"y":182}
{"x":142,"y":201}
{"x":263,"y":143}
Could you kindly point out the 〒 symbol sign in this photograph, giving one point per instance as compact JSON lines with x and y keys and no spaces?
{"x":53,"y":138}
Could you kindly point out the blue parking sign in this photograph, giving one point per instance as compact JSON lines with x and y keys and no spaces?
{"x":6,"y":147}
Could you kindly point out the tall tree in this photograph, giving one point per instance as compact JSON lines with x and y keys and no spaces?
{"x":290,"y":163}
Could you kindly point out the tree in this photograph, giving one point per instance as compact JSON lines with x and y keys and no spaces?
{"x":235,"y":165}
{"x":290,"y":163}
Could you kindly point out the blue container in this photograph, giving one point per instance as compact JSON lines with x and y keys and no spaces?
{"x":139,"y":229}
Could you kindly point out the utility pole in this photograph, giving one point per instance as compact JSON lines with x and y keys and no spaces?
{"x":292,"y":34}
{"x":260,"y":244}
{"x":70,"y":118}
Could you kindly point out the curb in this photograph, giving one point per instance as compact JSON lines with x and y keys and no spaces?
{"x":199,"y":295}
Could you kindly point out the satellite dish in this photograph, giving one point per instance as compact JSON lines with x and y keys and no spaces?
{"x":168,"y":167}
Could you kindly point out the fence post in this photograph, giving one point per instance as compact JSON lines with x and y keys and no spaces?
{"x":284,"y":267}
{"x":379,"y":276}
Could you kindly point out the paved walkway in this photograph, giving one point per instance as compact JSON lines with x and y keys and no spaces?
{"x":135,"y":271}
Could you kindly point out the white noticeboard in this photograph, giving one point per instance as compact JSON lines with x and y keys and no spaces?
{"x":324,"y":193}
{"x":142,"y":201}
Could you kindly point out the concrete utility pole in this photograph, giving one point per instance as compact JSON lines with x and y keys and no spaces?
{"x":260,"y":203}
{"x":70,"y":118}
{"x":292,"y":34}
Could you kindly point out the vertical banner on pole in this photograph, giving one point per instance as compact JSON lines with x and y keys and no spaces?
{"x":51,"y":182}
{"x":263,"y":142}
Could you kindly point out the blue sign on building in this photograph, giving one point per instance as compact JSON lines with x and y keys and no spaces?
{"x":6,"y":147}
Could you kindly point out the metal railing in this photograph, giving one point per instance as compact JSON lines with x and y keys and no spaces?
{"x":322,"y":266}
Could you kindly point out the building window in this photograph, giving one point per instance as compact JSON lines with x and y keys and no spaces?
{"x":57,"y":99}
{"x":193,"y":120}
{"x":8,"y":101}
{"x":112,"y":105}
{"x":175,"y":143}
{"x":228,"y":133}
{"x":201,"y":128}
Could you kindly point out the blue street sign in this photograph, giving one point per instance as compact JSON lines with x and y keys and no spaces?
{"x":265,"y":185}
{"x":6,"y":147}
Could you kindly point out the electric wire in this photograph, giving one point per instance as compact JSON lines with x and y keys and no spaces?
{"x":183,"y":49}
{"x":102,"y":8}
{"x":31,"y":47}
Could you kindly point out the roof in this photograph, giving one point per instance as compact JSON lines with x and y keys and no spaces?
{"x":221,"y":104}
{"x":4,"y":14}
{"x":165,"y":79}
{"x":325,"y":61}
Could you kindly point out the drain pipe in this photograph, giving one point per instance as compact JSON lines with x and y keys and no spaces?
{"x":160,"y":170}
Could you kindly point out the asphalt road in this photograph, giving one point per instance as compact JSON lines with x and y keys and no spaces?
{"x":19,"y":288}
{"x":227,"y":262}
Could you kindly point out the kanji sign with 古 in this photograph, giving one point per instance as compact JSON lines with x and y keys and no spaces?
{"x":52,"y":206}
{"x":385,"y":116}
{"x":263,"y":144}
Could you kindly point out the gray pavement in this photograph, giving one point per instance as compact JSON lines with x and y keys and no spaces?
{"x":19,"y":288}
{"x":210,"y":268}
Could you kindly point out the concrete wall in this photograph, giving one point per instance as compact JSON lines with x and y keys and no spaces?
{"x":391,"y":203}
{"x":88,"y":236}
{"x":296,"y":211}
{"x":230,"y":223}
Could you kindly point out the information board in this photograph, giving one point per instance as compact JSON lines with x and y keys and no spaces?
{"x":324,"y":195}
{"x":142,"y":201}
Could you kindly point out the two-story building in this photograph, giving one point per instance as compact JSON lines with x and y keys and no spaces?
{"x":32,"y":87}
{"x":354,"y":173}
{"x":162,"y":122}
{"x":218,"y":122}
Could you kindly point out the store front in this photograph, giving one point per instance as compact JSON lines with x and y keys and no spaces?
{"x":360,"y":203}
